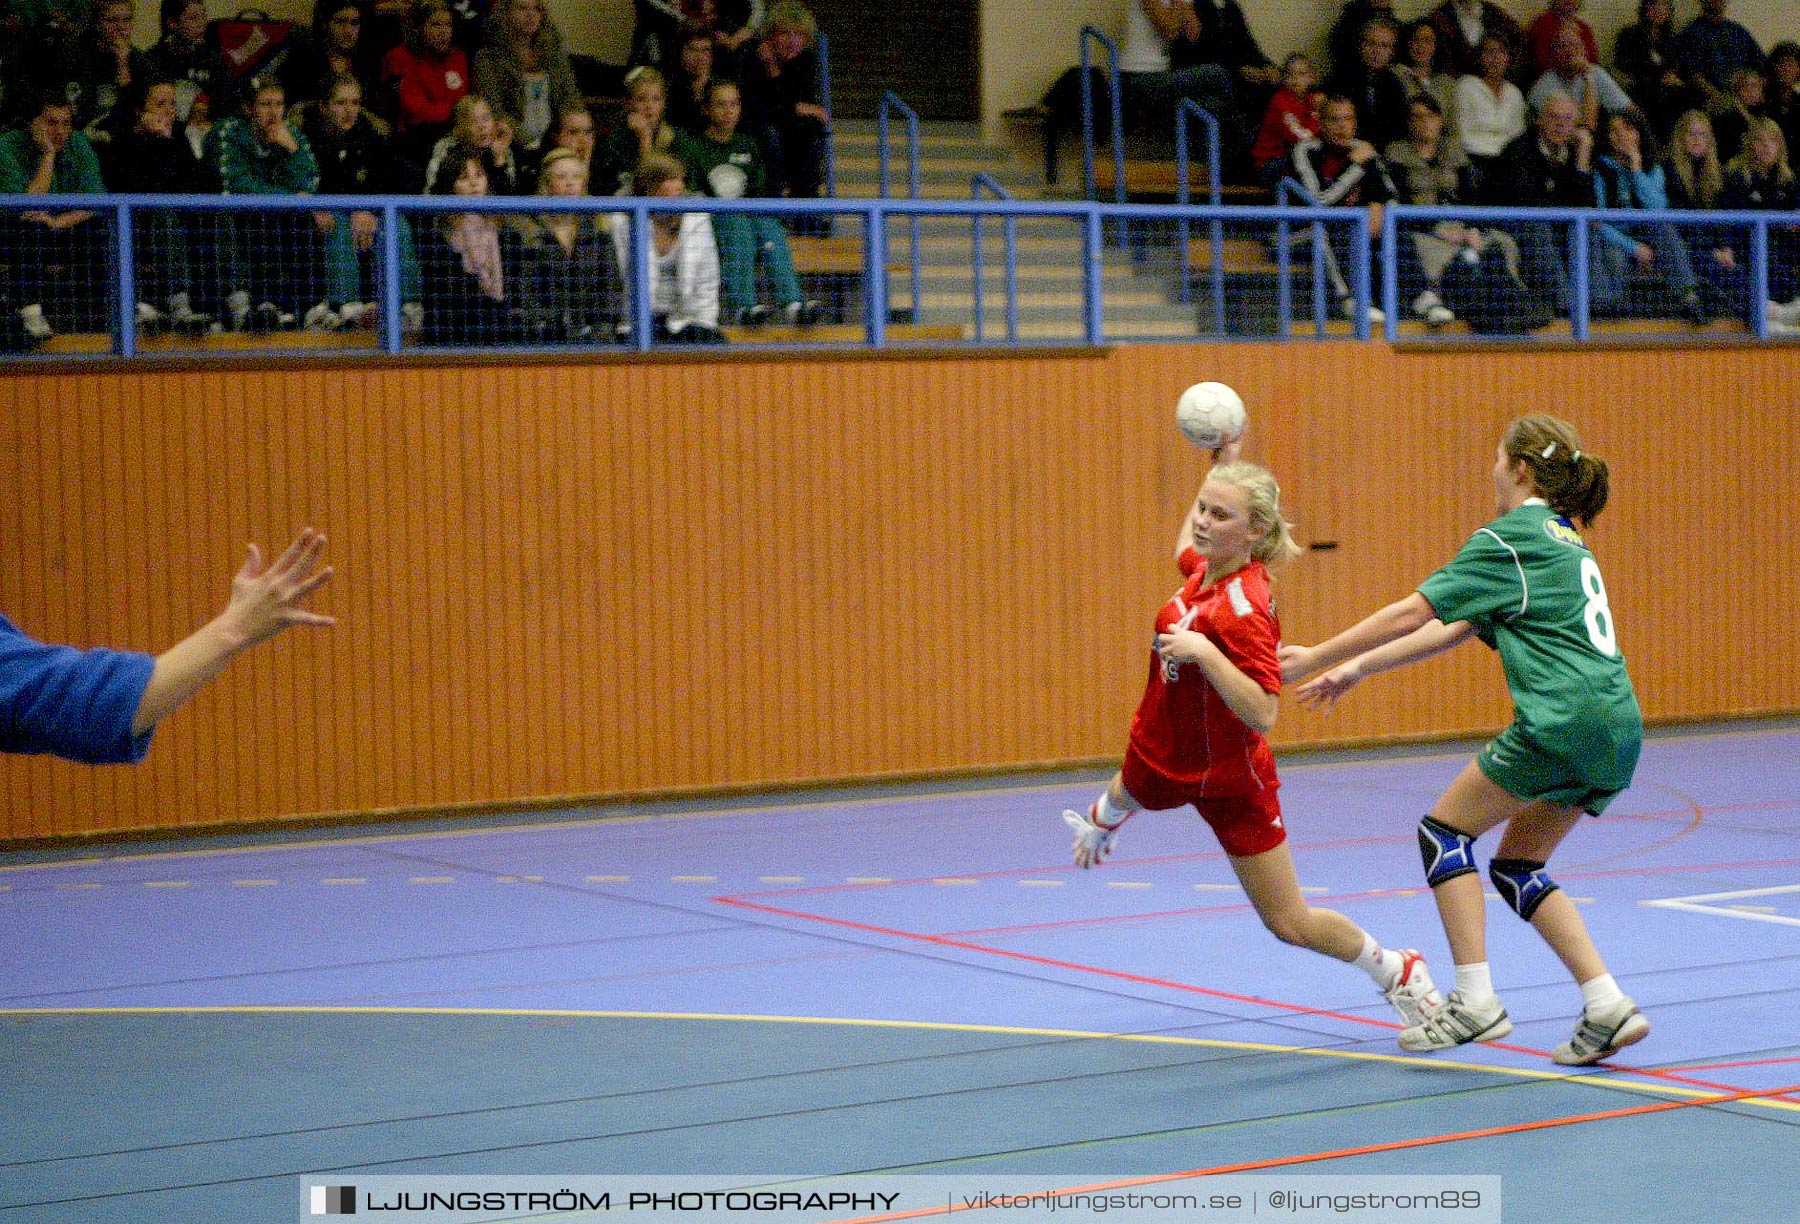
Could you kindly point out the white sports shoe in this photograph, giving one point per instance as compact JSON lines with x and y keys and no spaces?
{"x":1602,"y":1035}
{"x":1456,"y":1023}
{"x":1093,"y":842}
{"x":1413,"y":994}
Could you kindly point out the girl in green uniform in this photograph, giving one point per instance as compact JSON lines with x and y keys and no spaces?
{"x":1528,"y":586}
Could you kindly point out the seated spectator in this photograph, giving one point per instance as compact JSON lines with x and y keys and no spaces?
{"x":1712,"y":47}
{"x":335,"y":47}
{"x":525,"y":72}
{"x":475,"y":126}
{"x":1694,"y":179}
{"x":424,"y":77}
{"x":1340,"y":170}
{"x":644,"y":131}
{"x":684,"y":264}
{"x":1646,"y":59}
{"x":1419,"y":69}
{"x":1783,"y":101}
{"x":1430,"y":169}
{"x":657,"y":30}
{"x":1343,"y":45}
{"x":1490,"y":110}
{"x":281,"y":252}
{"x":571,"y":292}
{"x":1745,"y":107}
{"x":1372,"y":87}
{"x":355,"y":157}
{"x":1594,"y":91}
{"x":1628,"y":174}
{"x":1550,"y":166}
{"x":1540,"y":36}
{"x":727,"y":165}
{"x":574,"y":130}
{"x":94,"y":67}
{"x":687,"y":84}
{"x":185,"y":57}
{"x":468,"y":262}
{"x":1760,"y":180}
{"x":783,"y":110}
{"x":1291,"y":118}
{"x":152,"y":158}
{"x":1462,"y":24}
{"x":56,"y":261}
{"x":736,"y":23}
{"x":1226,"y":40}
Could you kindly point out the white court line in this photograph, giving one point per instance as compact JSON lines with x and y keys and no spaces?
{"x":1695,"y":904}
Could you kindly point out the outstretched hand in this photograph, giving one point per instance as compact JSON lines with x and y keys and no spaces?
{"x":1322,"y":692}
{"x":264,"y":602}
{"x":1296,"y":663}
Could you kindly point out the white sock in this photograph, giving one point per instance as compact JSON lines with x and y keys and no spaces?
{"x":1106,"y":813}
{"x":1475,"y":983}
{"x":1601,"y":992}
{"x":33,"y":311}
{"x":1379,"y":963}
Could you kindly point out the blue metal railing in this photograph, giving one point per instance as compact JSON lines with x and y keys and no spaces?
{"x":1115,"y":101}
{"x":825,"y":101}
{"x":1217,"y":243}
{"x":977,"y":184}
{"x":1741,"y":230}
{"x":890,"y":101}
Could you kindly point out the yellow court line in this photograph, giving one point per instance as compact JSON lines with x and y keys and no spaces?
{"x":1588,"y":1080}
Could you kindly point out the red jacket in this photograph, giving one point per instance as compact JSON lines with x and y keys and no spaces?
{"x":425,"y":87}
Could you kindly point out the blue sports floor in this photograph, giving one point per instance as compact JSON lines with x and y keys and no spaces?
{"x":905,"y":982}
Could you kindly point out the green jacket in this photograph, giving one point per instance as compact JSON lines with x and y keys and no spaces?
{"x":77,"y":168}
{"x":249,"y":167}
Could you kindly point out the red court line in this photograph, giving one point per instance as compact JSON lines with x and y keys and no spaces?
{"x":1398,"y":1145}
{"x":1755,"y":1062}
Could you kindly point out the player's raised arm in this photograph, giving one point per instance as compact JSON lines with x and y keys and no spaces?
{"x":1433,"y":638}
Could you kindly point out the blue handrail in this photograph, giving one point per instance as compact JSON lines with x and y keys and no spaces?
{"x":977,"y":183}
{"x":890,"y":101}
{"x":825,"y":101}
{"x":1087,"y":114}
{"x":1284,"y":312}
{"x":1190,"y":107}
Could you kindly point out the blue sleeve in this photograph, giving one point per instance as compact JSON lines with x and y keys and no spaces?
{"x":77,"y":704}
{"x":1609,"y":232}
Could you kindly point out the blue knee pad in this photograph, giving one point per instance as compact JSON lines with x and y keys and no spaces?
{"x":1447,"y":852}
{"x":1522,"y":884}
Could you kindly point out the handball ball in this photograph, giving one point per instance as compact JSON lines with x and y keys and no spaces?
{"x":1209,"y":415}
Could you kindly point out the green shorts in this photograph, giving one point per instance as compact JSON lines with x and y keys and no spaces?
{"x":1583,"y":767}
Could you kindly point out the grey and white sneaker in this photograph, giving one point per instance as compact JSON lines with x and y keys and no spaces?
{"x":1457,"y":1022}
{"x":237,"y":310}
{"x":37,"y":327}
{"x":320,"y":317}
{"x":1413,"y":993}
{"x":1603,"y":1034}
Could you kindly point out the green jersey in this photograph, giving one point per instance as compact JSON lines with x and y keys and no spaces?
{"x":1533,"y":591}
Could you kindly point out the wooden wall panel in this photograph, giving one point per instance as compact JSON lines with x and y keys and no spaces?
{"x":608,"y":579}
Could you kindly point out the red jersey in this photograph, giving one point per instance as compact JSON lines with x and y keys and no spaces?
{"x":1183,"y":728}
{"x":1288,"y":116}
{"x":425,"y":87}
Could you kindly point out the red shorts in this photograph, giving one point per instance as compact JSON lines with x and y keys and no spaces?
{"x":1245,"y":824}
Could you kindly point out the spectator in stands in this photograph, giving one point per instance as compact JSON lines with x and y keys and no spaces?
{"x":56,"y":259}
{"x":1710,"y":49}
{"x":1595,"y":93}
{"x":525,"y":71}
{"x":1629,"y":174}
{"x":783,"y":109}
{"x":572,"y":292}
{"x":354,"y":152}
{"x":1419,"y":68}
{"x":1159,"y":36}
{"x":575,"y":130}
{"x":425,"y":77}
{"x":281,"y":251}
{"x":1428,"y":168}
{"x":1760,"y":180}
{"x":474,"y":125}
{"x":1490,"y":111}
{"x":468,"y":262}
{"x":184,"y":57}
{"x":93,"y":68}
{"x":1646,"y":59}
{"x":1540,"y":36}
{"x":684,"y":264}
{"x":644,"y":131}
{"x":1743,"y":108}
{"x":152,"y":158}
{"x":1372,"y":87}
{"x":1550,"y":166}
{"x":1226,"y":40}
{"x":735,"y":27}
{"x":1694,"y":179}
{"x":1292,"y":117}
{"x":1462,"y":24}
{"x":657,"y":29}
{"x":687,"y":84}
{"x":1344,"y":44}
{"x":727,"y":165}
{"x":335,"y":47}
{"x":1783,"y":102}
{"x":1340,"y":170}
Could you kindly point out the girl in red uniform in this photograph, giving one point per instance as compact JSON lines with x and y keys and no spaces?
{"x":1198,"y":736}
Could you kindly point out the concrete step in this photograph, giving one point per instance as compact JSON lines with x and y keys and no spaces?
{"x":900,"y":297}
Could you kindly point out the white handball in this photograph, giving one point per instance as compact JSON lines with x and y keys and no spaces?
{"x":1209,"y":415}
